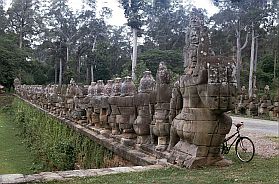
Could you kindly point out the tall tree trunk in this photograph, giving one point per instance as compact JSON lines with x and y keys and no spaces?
{"x":239,"y":49}
{"x":21,"y":28}
{"x":21,"y":34}
{"x":55,"y":72}
{"x":78,"y":68}
{"x":238,"y":61}
{"x":67,"y":57}
{"x":135,"y":53}
{"x":87,"y":74}
{"x":92,"y":72}
{"x":60,"y":71}
{"x":274,"y":68}
{"x":255,"y":63}
{"x":252,"y":59}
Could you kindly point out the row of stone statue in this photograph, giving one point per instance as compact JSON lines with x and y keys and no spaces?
{"x":255,"y":106}
{"x":115,"y":107}
{"x":188,"y":119}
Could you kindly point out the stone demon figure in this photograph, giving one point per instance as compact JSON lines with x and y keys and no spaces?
{"x":208,"y":88}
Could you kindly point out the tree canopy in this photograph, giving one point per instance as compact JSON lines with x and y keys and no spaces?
{"x":48,"y":42}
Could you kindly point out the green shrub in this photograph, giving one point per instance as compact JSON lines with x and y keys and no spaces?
{"x":57,"y":146}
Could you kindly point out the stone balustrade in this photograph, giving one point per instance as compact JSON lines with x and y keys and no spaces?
{"x":185,"y":123}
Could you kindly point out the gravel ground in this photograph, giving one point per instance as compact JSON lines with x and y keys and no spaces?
{"x":264,"y":145}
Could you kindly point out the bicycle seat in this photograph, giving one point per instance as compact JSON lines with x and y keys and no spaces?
{"x":238,"y":124}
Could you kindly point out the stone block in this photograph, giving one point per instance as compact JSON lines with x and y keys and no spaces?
{"x":162,"y":140}
{"x":126,"y":101}
{"x":112,"y":100}
{"x":127,"y":110}
{"x":217,"y":140}
{"x":122,"y":119}
{"x":144,"y":111}
{"x":205,"y":126}
{"x":165,"y":93}
{"x":162,"y":129}
{"x":114,"y":110}
{"x":202,"y":139}
{"x":49,"y":176}
{"x":202,"y":151}
{"x":161,"y":114}
{"x":141,"y":99}
{"x":142,"y":120}
{"x":12,"y":178}
{"x":203,"y":114}
{"x":142,"y":129}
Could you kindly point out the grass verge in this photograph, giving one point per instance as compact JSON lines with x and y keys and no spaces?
{"x":14,"y":155}
{"x":257,"y":171}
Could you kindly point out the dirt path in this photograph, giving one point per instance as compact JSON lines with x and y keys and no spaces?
{"x":263,"y":133}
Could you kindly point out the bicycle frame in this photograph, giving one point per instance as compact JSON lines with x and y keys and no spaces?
{"x":228,"y":148}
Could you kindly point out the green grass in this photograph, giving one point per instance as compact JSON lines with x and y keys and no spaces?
{"x":14,"y":156}
{"x":257,"y":171}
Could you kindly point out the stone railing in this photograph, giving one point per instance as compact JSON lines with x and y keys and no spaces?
{"x":185,"y":124}
{"x":255,"y":106}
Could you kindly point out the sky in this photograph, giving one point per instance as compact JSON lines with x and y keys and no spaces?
{"x":118,"y":18}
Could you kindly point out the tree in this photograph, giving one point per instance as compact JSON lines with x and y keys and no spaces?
{"x":23,"y":19}
{"x":242,"y":15}
{"x":3,"y":19}
{"x":64,"y":29}
{"x":133,"y":11}
{"x":166,"y":25}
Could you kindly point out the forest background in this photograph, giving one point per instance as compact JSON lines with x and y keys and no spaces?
{"x":44,"y":42}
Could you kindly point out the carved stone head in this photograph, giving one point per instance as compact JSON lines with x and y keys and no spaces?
{"x":116,"y":87}
{"x":163,"y":75}
{"x":147,"y":83}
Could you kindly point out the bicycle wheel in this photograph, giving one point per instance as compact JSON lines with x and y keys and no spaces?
{"x":245,"y":149}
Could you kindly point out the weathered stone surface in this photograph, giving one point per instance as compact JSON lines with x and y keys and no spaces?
{"x":12,"y":178}
{"x":189,"y":118}
{"x":208,"y":90}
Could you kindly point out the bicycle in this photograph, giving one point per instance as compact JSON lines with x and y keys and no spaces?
{"x":244,"y":146}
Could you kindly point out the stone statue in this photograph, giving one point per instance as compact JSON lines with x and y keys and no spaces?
{"x":243,"y":101}
{"x":208,"y":89}
{"x":127,"y":109}
{"x":265,"y":102}
{"x":17,"y":84}
{"x":91,"y":89}
{"x":142,"y":101}
{"x":160,"y":126}
{"x":108,"y":88}
{"x":113,"y":99}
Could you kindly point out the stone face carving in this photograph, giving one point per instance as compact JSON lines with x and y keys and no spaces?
{"x":160,"y":126}
{"x":207,"y":88}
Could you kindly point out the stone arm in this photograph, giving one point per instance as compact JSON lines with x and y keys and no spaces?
{"x":176,"y":102}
